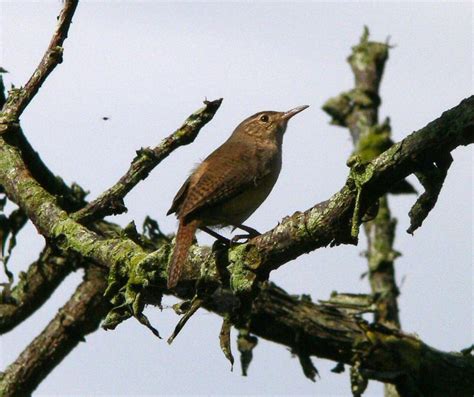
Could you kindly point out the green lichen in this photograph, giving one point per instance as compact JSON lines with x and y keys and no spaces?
{"x":361,"y":174}
{"x":127,"y":282}
{"x":65,"y":227}
{"x":373,"y":141}
{"x":241,"y":259}
{"x":202,"y":255}
{"x":360,"y":98}
{"x":341,"y":107}
{"x":313,"y":220}
{"x":9,"y":117}
{"x":366,"y":53}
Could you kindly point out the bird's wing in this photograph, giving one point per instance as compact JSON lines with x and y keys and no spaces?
{"x":179,"y":198}
{"x":231,"y":175}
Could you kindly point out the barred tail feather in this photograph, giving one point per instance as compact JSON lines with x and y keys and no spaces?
{"x":184,"y":239}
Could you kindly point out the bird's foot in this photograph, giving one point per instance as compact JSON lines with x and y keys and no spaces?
{"x":222,"y":242}
{"x":217,"y":236}
{"x":235,"y":240}
{"x":251,"y":232}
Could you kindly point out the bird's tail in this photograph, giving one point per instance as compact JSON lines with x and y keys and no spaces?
{"x":184,"y":239}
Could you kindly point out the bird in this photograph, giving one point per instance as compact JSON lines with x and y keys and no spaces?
{"x":230,"y":184}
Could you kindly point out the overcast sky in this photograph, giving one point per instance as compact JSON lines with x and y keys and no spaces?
{"x":147,"y":66}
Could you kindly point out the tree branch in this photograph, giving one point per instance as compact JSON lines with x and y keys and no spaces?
{"x":80,"y":316}
{"x":19,"y":98}
{"x":330,"y":222}
{"x":111,"y":201}
{"x":370,"y":140}
{"x":34,"y":288}
{"x":325,"y":331}
{"x":432,"y":177}
{"x":134,"y":270}
{"x":326,"y":223}
{"x":383,"y":354}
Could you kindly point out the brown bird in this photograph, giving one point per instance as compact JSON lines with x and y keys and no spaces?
{"x":231,"y":183}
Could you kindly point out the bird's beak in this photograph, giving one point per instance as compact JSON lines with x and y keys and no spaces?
{"x":290,"y":113}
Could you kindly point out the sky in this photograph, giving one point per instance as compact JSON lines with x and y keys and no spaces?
{"x":147,"y":66}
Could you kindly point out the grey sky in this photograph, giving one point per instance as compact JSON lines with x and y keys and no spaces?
{"x":147,"y":66}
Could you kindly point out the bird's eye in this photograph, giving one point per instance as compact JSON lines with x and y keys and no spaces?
{"x":264,"y":118}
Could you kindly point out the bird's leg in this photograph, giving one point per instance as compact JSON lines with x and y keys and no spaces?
{"x":221,"y":239}
{"x":216,"y":235}
{"x":250,"y":230}
{"x":251,"y":233}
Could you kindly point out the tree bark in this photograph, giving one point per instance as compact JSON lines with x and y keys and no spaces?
{"x":226,"y":278}
{"x":80,"y":316}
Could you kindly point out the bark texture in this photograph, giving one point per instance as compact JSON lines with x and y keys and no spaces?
{"x":130,"y":269}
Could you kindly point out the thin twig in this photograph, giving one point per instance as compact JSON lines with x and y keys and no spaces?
{"x":19,"y":98}
{"x":111,"y":201}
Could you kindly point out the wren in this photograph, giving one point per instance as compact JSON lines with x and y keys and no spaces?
{"x":231,"y":183}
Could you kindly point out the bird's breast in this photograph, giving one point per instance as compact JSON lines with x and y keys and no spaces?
{"x":239,"y":208}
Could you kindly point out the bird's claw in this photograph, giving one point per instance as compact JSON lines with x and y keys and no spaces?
{"x":236,"y":239}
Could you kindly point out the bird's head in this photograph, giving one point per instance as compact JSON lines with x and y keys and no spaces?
{"x":267,"y":124}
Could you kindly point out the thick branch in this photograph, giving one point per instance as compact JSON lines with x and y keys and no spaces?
{"x":384,"y":355}
{"x":276,"y":318}
{"x":329,"y":222}
{"x":327,"y":332}
{"x":80,"y":316}
{"x":325,"y":223}
{"x":111,"y":201}
{"x":34,"y":288}
{"x":19,"y":98}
